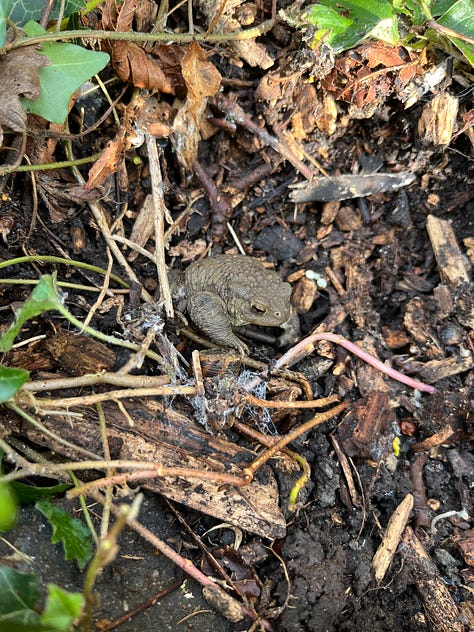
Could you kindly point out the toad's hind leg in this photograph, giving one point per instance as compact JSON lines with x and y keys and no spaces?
{"x":207,"y":311}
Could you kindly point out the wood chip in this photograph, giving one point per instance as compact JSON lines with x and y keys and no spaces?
{"x":441,"y":611}
{"x":438,"y":119}
{"x":388,"y":547}
{"x":447,"y":252}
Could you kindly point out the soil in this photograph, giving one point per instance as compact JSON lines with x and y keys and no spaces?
{"x":382,"y":290}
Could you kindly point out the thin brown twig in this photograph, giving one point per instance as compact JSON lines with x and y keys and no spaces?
{"x":312,"y":403}
{"x":237,"y":113}
{"x":160,"y":213}
{"x":87,"y":400}
{"x":269,"y":453}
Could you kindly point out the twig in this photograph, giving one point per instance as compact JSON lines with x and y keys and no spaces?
{"x":129,"y":36}
{"x":100,"y":218}
{"x":312,"y":403}
{"x":160,"y":212}
{"x":269,"y":453}
{"x":388,"y":547}
{"x":236,"y":112}
{"x":115,"y":379}
{"x":87,"y":400}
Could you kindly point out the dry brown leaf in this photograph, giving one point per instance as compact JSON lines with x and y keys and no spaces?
{"x":200,"y":75}
{"x":108,"y":163}
{"x":154,"y":70}
{"x":18,"y":77}
{"x":202,"y":81}
{"x":367,"y":76}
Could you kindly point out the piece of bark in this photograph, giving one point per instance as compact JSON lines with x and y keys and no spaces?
{"x":304,"y":295}
{"x":440,"y":608}
{"x":420,"y":506}
{"x":167,"y":438}
{"x":447,"y":252}
{"x":346,"y":468}
{"x":345,"y":187}
{"x":363,"y":429}
{"x":438,"y":118}
{"x":465,"y":544}
{"x":388,"y":547}
{"x":395,"y":338}
{"x":435,"y":370}
{"x":78,"y":354}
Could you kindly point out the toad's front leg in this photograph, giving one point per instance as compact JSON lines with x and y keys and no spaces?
{"x":207,"y":310}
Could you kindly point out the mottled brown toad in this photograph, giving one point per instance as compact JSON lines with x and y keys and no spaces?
{"x":229,"y":291}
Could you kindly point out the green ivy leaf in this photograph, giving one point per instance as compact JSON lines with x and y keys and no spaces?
{"x":19,"y":595}
{"x":20,"y":592}
{"x":62,"y":608}
{"x":70,"y":67}
{"x":25,"y":10}
{"x":43,"y":299}
{"x":71,"y":532}
{"x":11,"y":380}
{"x":5,"y":8}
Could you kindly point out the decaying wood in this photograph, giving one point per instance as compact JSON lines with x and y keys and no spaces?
{"x":388,"y":547}
{"x":465,"y":543}
{"x":438,"y":119}
{"x":435,"y":370}
{"x":447,"y":252}
{"x":167,"y":438}
{"x":363,"y":429}
{"x":441,"y":610}
{"x":346,"y":468}
{"x":349,"y":186}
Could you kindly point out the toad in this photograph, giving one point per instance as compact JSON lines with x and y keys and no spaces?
{"x":229,"y":291}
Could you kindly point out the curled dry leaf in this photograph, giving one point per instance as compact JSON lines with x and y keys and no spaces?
{"x":367,"y":76}
{"x":154,"y":70}
{"x":202,"y":81}
{"x":18,"y":77}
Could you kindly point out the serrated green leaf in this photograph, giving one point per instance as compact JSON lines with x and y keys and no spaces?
{"x":8,"y":507}
{"x":70,"y":67}
{"x":25,"y":10}
{"x":62,"y":608}
{"x":11,"y":380}
{"x":5,"y":9}
{"x":71,"y":532}
{"x":43,"y":299}
{"x":20,"y":592}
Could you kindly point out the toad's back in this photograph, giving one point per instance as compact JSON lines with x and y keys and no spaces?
{"x":229,"y":275}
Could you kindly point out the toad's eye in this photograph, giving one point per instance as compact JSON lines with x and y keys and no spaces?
{"x":258,"y":310}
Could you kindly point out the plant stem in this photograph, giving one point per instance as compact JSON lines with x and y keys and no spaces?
{"x":181,"y":38}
